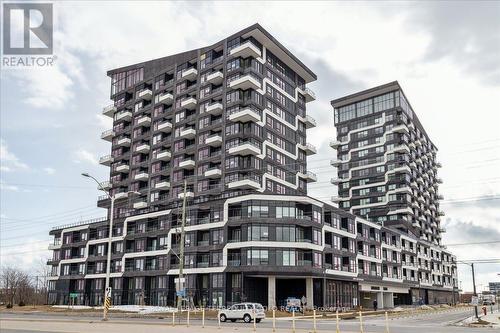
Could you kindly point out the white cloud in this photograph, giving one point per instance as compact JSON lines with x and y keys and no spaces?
{"x":7,"y":187}
{"x":8,"y":161}
{"x":84,"y":156}
{"x":49,"y":170}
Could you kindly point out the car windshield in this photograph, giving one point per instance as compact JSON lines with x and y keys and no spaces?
{"x":258,"y":306}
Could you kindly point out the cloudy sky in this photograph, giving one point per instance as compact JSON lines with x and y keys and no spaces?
{"x":444,"y":54}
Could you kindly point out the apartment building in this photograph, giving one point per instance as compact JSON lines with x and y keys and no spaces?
{"x":230,"y":120}
{"x":260,"y":248}
{"x":387,"y":167}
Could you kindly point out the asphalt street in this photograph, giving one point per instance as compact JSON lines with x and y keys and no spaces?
{"x":438,"y":322}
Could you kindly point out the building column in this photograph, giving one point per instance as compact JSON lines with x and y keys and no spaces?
{"x":309,"y":293}
{"x":271,"y":292}
{"x":388,"y":300}
{"x":380,"y":300}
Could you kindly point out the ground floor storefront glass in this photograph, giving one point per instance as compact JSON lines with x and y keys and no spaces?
{"x":341,"y":294}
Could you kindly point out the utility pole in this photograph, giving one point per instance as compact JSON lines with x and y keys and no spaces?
{"x":474,"y":288}
{"x":181,"y":254}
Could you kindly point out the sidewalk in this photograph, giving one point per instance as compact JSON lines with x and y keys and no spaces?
{"x":493,"y":318}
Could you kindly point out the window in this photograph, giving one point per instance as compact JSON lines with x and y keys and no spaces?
{"x":257,"y":257}
{"x":258,"y":232}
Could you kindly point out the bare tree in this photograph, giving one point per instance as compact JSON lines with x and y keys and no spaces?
{"x":10,"y":279}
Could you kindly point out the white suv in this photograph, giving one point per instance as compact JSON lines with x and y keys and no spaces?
{"x":244,"y":311}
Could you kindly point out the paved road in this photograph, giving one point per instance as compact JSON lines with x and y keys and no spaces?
{"x":432,"y":322}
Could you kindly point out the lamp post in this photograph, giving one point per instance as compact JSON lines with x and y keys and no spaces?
{"x":110,"y":237}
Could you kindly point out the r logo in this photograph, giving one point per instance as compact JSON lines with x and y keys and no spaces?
{"x":27,"y":28}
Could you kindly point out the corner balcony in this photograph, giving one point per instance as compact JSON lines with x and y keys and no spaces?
{"x":145,"y":94}
{"x":335,"y":144}
{"x":121,"y":195}
{"x":189,"y":194}
{"x":106,"y":185}
{"x":124,"y":168}
{"x":141,"y":204}
{"x":189,"y":103}
{"x":108,"y":135}
{"x":142,"y":176}
{"x":213,"y":173}
{"x":187,"y":164}
{"x":214,"y":109}
{"x":245,"y":82}
{"x":143,"y":148}
{"x":106,"y":160}
{"x":244,"y":183}
{"x":245,"y":115}
{"x":440,"y":197}
{"x":438,"y":164}
{"x":308,"y":176}
{"x":162,"y":185}
{"x":401,"y":129}
{"x":165,"y":127}
{"x":164,"y":155}
{"x":308,"y":148}
{"x":188,"y":133}
{"x":215,"y":78}
{"x":439,"y":180}
{"x":144,"y":121}
{"x":245,"y":50}
{"x":401,"y":148}
{"x":214,"y":140}
{"x":336,"y":198}
{"x":190,"y":74}
{"x":109,"y":110}
{"x":166,"y":99}
{"x":441,"y":213}
{"x":310,"y":122}
{"x":123,"y":115}
{"x":309,"y":95}
{"x":123,"y":142}
{"x":244,"y":149}
{"x":337,"y":180}
{"x":335,"y":162}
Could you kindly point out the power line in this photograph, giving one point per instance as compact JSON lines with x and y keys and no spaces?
{"x":474,"y":243}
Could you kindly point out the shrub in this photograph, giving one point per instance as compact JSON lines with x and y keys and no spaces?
{"x":9,"y":306}
{"x":21,"y":303}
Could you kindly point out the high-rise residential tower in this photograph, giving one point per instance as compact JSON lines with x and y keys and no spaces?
{"x":387,"y":168}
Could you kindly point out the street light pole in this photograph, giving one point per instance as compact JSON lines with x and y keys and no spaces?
{"x":474,"y":288}
{"x":110,"y":238}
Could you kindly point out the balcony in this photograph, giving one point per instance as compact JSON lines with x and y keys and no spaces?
{"x":143,"y":148}
{"x":245,"y":50}
{"x":440,"y":197}
{"x":244,"y":149}
{"x":162,"y":185}
{"x":141,"y":204}
{"x":121,"y":195}
{"x":164,"y":156}
{"x":244,"y":183}
{"x":400,"y":129}
{"x":441,"y":213}
{"x":123,"y":142}
{"x":214,"y":140}
{"x":336,"y":198}
{"x":189,"y":103}
{"x":108,"y":135}
{"x":123,"y":115}
{"x":190,"y":74}
{"x":165,"y":127}
{"x":309,"y":95}
{"x":213,"y":173}
{"x":337,"y":180}
{"x":109,"y":110}
{"x":106,"y":185}
{"x":187,"y":164}
{"x":166,"y":99}
{"x":144,"y":121}
{"x":142,"y":176}
{"x":214,"y":108}
{"x":187,"y":133}
{"x":106,"y":160}
{"x":245,"y":115}
{"x":308,"y":148}
{"x":401,"y":148}
{"x":245,"y":82}
{"x":438,"y":164}
{"x":335,"y":143}
{"x":215,"y":78}
{"x":145,"y":94}
{"x":439,"y":180}
{"x":124,"y":168}
{"x":310,"y":122}
{"x":308,"y":176}
{"x":189,"y":194}
{"x":335,"y":162}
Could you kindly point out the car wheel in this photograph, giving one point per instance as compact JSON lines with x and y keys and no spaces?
{"x":223,"y":318}
{"x":247,"y":318}
{"x":257,"y":320}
